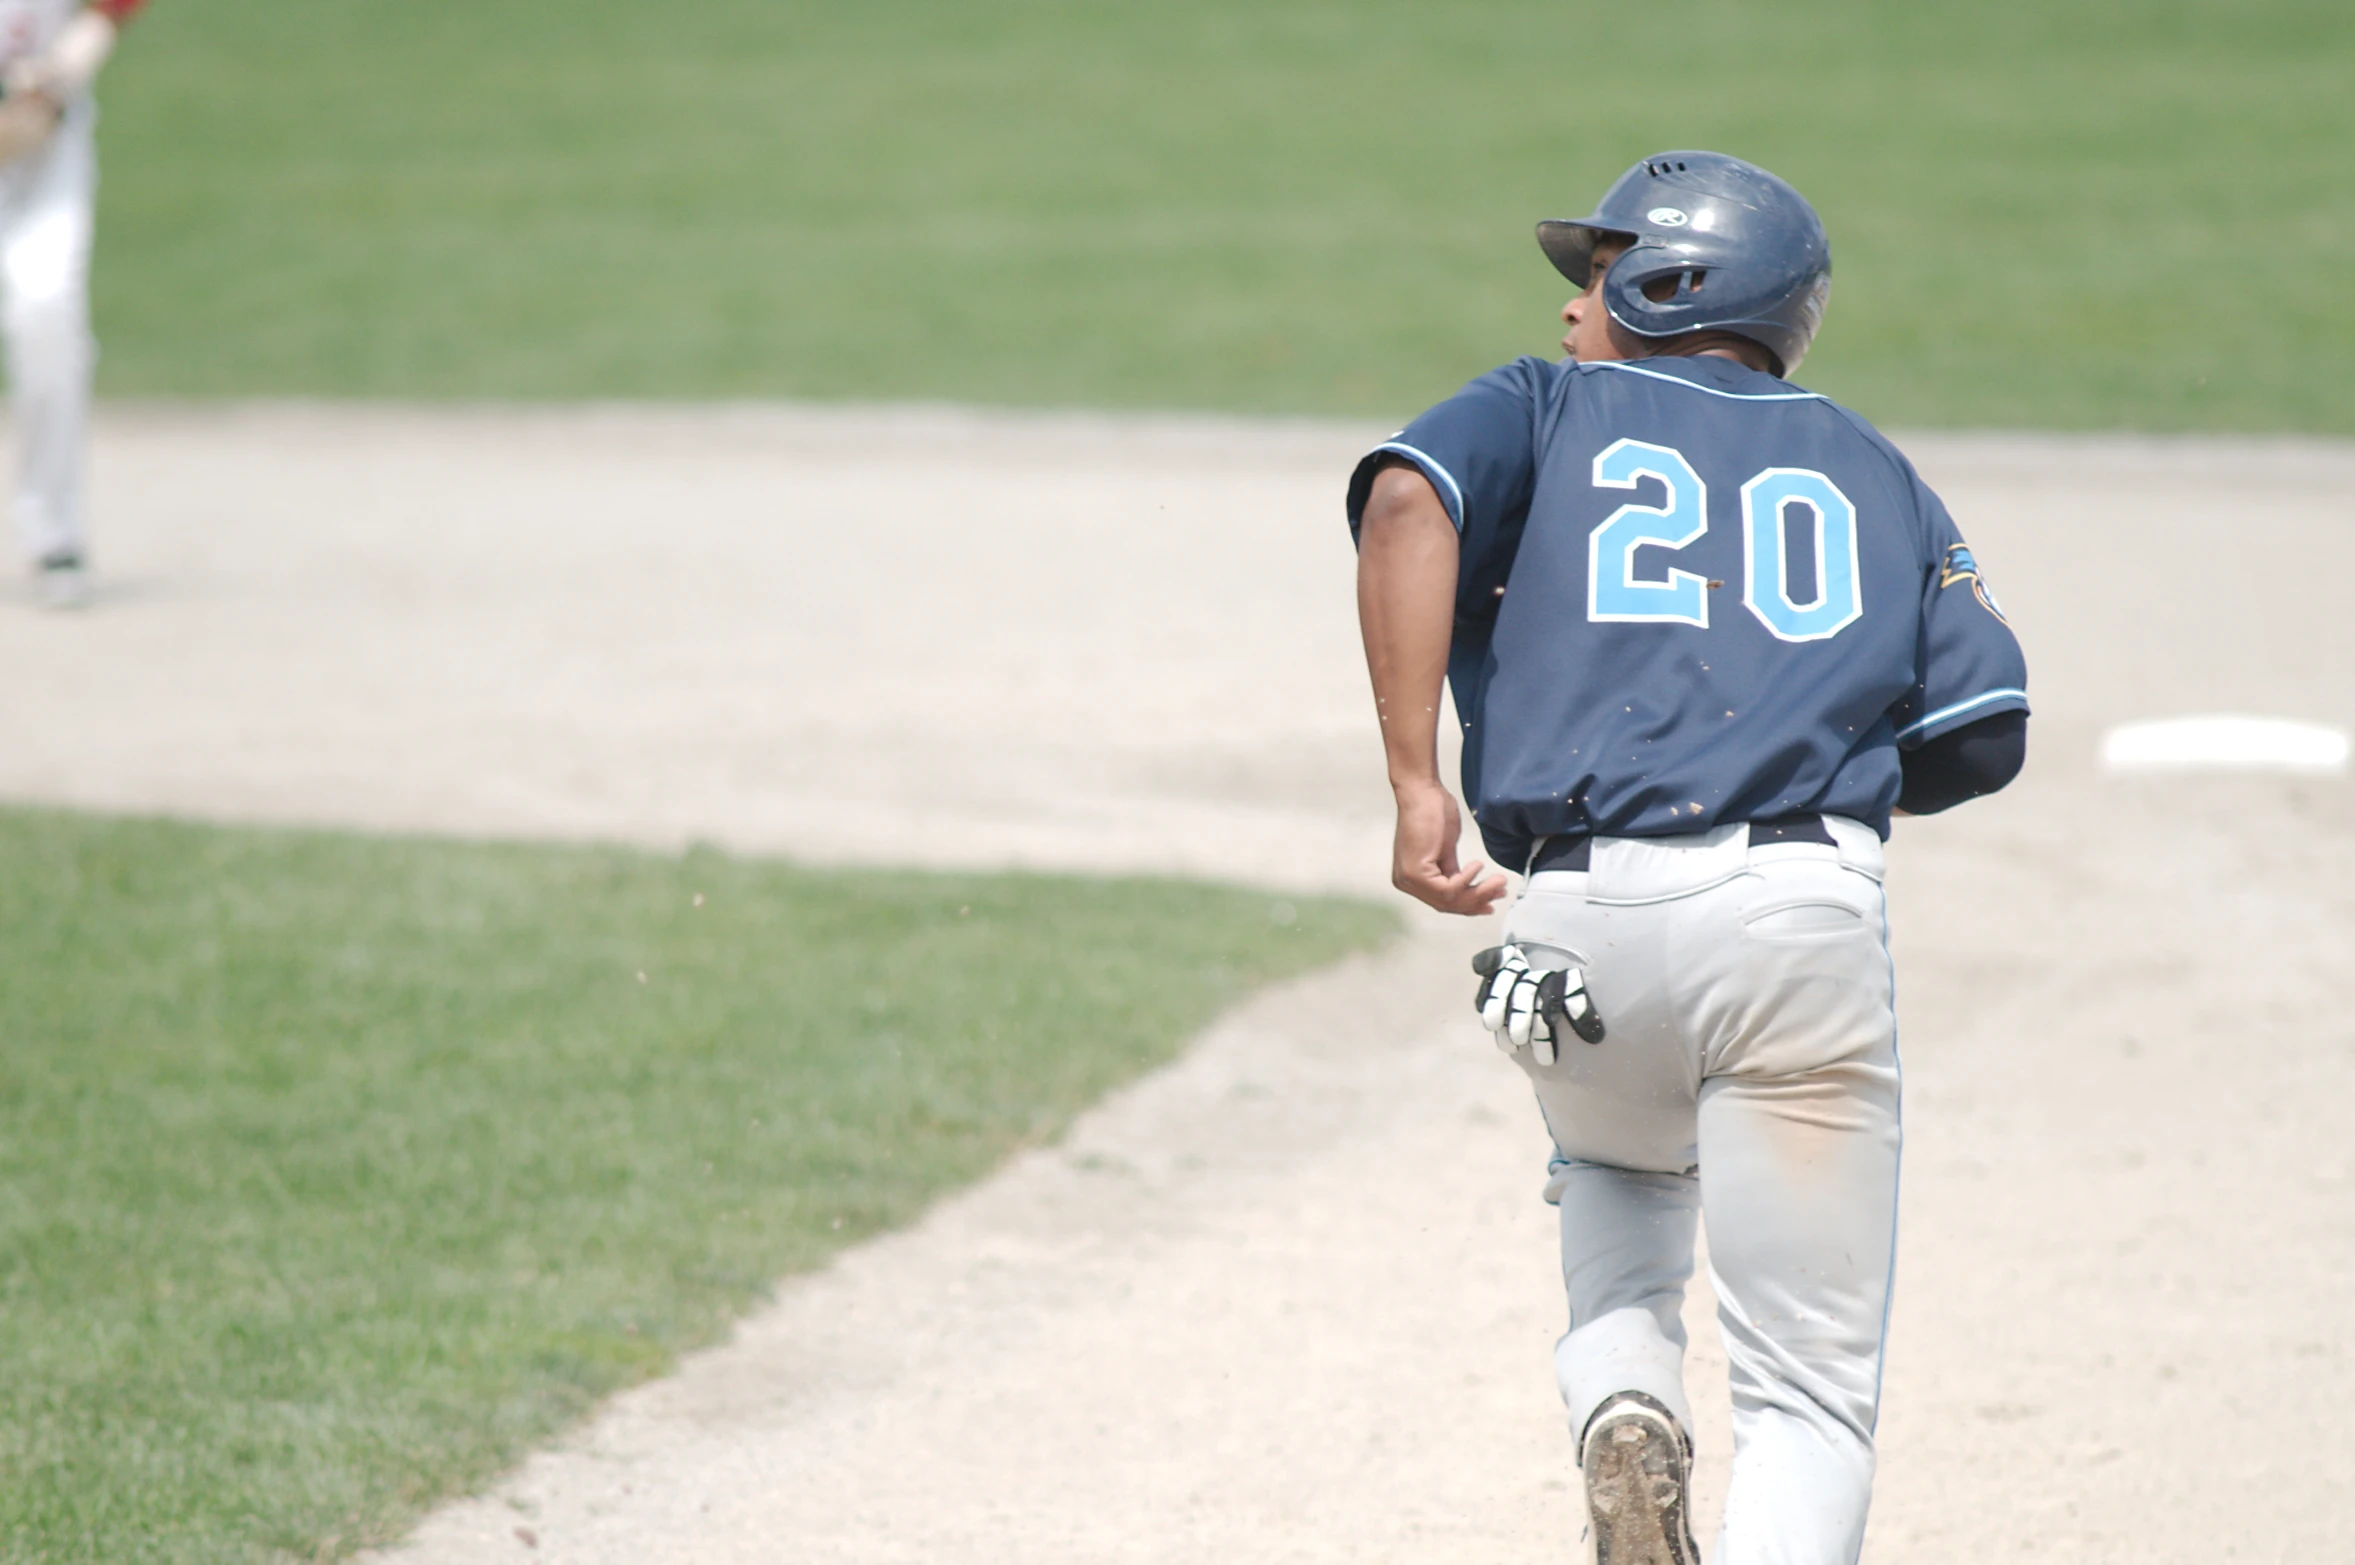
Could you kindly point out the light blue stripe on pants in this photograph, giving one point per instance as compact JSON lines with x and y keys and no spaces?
{"x":1749,"y":1079}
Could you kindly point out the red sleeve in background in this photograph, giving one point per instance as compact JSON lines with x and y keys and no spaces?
{"x":116,"y":11}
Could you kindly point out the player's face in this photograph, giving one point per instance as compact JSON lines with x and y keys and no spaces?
{"x":1589,"y":338}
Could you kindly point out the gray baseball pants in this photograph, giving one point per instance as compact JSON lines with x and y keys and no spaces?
{"x":1749,"y":1078}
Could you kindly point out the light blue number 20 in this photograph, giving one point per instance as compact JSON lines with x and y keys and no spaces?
{"x":1612,"y":590}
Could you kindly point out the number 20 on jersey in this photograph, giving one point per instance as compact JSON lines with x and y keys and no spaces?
{"x":1615,"y":593}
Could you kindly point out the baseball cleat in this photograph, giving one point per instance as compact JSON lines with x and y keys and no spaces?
{"x":64,"y":580}
{"x":1639,"y":1469}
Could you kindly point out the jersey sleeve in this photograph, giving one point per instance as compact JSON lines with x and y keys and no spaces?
{"x":1478,"y":449}
{"x":1970,"y":665}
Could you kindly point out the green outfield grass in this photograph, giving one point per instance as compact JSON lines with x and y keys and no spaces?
{"x":2111,"y":213}
{"x":335,"y":1170}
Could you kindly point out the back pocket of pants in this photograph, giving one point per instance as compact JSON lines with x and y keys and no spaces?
{"x":1815,"y":918}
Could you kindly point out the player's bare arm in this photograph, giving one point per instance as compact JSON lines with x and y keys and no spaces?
{"x":1406,"y":586}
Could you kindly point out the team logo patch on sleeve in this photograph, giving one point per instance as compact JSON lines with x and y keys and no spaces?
{"x":1962,"y":565}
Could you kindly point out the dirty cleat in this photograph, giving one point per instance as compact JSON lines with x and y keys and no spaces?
{"x":1639,"y":1468}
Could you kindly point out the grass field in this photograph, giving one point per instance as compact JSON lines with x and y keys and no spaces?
{"x":2104,"y":214}
{"x":334,"y":1170}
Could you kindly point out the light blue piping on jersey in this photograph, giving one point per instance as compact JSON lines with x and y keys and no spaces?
{"x":1430,"y":464}
{"x":1945,"y":712}
{"x":1679,"y":380}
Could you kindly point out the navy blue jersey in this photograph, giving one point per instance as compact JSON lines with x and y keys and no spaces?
{"x":1692,"y":594}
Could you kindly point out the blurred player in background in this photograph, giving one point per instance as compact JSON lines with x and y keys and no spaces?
{"x":50,"y":54}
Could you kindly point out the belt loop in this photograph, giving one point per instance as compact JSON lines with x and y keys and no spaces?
{"x":1858,"y":844}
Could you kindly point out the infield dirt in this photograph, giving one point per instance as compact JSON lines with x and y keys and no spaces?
{"x":1291,"y":1298}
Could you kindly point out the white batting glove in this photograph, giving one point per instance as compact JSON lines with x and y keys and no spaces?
{"x":1532,"y":1009}
{"x":1508,"y":1003}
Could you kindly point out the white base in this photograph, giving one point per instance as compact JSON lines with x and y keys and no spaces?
{"x":2225,"y":743}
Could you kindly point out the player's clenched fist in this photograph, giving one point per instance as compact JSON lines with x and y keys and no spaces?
{"x":26,"y":121}
{"x":1532,"y":1009}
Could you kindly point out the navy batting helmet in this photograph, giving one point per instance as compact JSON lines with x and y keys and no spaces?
{"x":1745,"y":252}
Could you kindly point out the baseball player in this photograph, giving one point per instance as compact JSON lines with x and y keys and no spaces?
{"x":50,"y":53}
{"x":1706,"y":633}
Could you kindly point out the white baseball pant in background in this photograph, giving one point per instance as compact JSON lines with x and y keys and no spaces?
{"x":47,"y":208}
{"x":1748,"y":1075}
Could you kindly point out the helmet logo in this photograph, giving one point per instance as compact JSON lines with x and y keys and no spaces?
{"x":1666,"y":217}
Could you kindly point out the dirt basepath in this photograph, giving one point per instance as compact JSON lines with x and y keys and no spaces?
{"x":1291,"y":1298}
